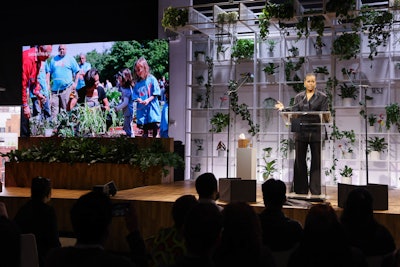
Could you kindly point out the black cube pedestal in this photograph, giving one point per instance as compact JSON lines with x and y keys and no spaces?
{"x":379,"y":194}
{"x":236,"y":189}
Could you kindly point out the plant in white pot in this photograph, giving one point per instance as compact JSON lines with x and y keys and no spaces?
{"x":269,"y":71}
{"x":348,"y":92}
{"x":376,"y":145}
{"x":347,"y":174}
{"x":195,"y":170}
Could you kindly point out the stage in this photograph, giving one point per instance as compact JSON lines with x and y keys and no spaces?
{"x":154,"y":203}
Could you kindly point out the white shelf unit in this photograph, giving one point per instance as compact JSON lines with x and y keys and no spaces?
{"x":382,"y":77}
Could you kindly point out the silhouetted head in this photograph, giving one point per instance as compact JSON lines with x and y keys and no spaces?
{"x":91,"y":216}
{"x":181,"y":207}
{"x":274,"y":192}
{"x":207,"y":185}
{"x":40,"y":188}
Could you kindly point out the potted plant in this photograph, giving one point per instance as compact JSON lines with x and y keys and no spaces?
{"x":174,"y":17}
{"x":199,"y":146}
{"x":219,"y":122}
{"x":271,"y":43}
{"x":199,"y":100}
{"x":269,"y":168}
{"x":221,"y":49}
{"x":243,"y":49}
{"x":269,"y":71}
{"x":200,"y":80}
{"x":348,"y":93}
{"x":393,"y":116}
{"x":372,"y":119}
{"x":348,"y":140}
{"x":321,"y":72}
{"x":195,"y":170}
{"x":346,"y":173}
{"x":293,"y":51}
{"x":286,"y":146}
{"x":200,"y":56}
{"x":221,"y":148}
{"x":376,"y":145}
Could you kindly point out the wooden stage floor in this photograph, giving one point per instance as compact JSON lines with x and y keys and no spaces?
{"x":154,"y":203}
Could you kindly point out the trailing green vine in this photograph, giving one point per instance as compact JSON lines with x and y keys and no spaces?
{"x":209,"y":84}
{"x":241,"y":109}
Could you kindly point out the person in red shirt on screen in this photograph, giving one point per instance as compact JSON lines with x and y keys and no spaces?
{"x":31,"y":62}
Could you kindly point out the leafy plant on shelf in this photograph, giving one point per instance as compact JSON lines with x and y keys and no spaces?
{"x":243,"y":49}
{"x":286,"y":145}
{"x":219,"y":122}
{"x":348,"y":91}
{"x":372,"y":119}
{"x":322,"y":70}
{"x":196,"y":168}
{"x":270,"y":68}
{"x":269,"y":167}
{"x":346,"y":171}
{"x":376,"y":143}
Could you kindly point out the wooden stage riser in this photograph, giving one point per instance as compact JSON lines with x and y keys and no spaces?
{"x":154,"y":215}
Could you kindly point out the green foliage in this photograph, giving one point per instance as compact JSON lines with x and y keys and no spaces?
{"x":378,"y":24}
{"x":174,"y":17}
{"x":270,"y":68}
{"x":346,"y":171}
{"x":347,"y":46}
{"x":123,"y":54}
{"x":376,"y":143}
{"x":241,"y":109}
{"x":243,"y":49}
{"x":393,"y":115}
{"x":323,"y":70}
{"x":88,"y":150}
{"x":219,"y":122}
{"x":348,"y":91}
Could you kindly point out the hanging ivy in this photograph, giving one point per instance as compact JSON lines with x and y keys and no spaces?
{"x":209,"y":84}
{"x":241,"y":109}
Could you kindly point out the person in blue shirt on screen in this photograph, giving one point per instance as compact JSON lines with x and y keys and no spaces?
{"x":146,"y":93}
{"x":64,"y":76}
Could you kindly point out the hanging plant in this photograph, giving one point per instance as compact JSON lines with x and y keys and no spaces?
{"x":174,"y":17}
{"x":209,"y":84}
{"x":241,"y":109}
{"x":378,"y":25}
{"x":393,"y":115}
{"x":347,"y":46}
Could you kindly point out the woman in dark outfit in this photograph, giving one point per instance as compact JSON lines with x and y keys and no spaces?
{"x":307,"y":134}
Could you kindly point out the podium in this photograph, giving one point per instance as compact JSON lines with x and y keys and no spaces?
{"x":306,"y":126}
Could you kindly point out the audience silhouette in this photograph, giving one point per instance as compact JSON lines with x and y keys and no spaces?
{"x":362,"y":230}
{"x":202,"y":233}
{"x":90,"y":217}
{"x":241,"y":242}
{"x":39,"y":218}
{"x":169,"y":244}
{"x":279,"y":232}
{"x":324,"y":242}
{"x":207,"y":189}
{"x":9,"y":240}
